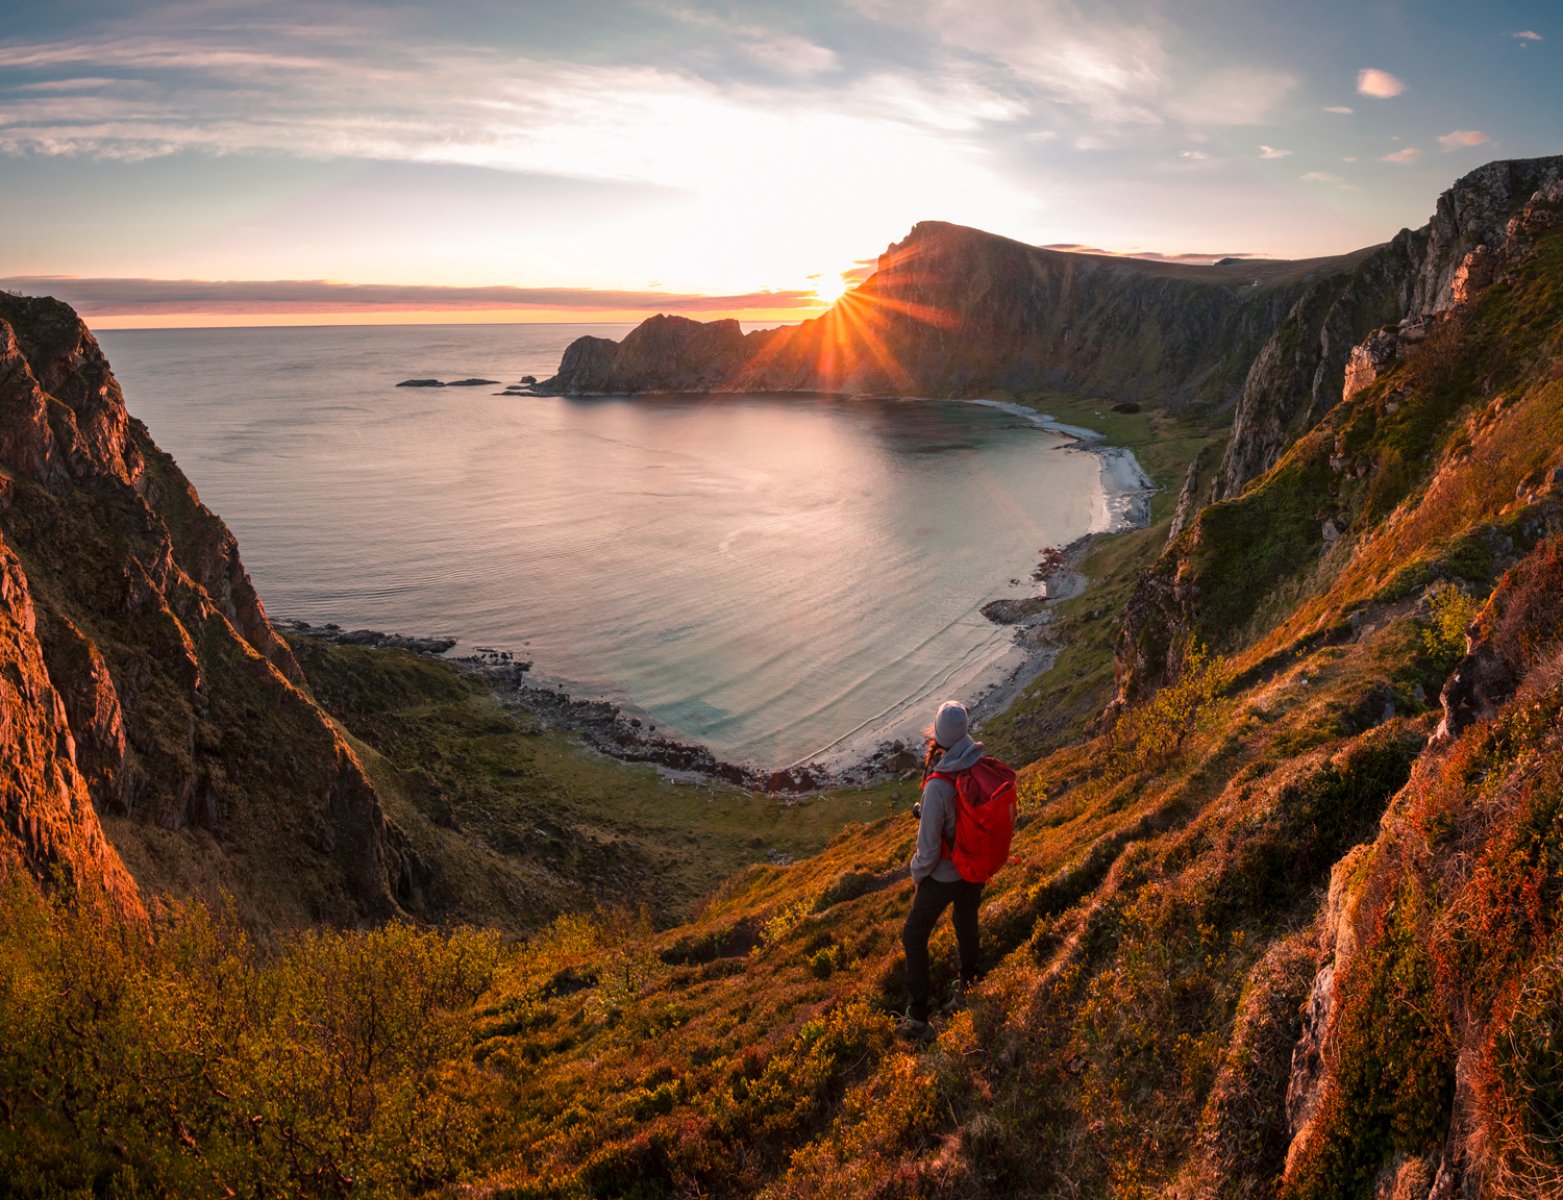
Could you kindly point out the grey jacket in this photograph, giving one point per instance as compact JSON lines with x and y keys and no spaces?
{"x":938,"y":823}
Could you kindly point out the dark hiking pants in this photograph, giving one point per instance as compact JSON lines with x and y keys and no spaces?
{"x":933,"y":897}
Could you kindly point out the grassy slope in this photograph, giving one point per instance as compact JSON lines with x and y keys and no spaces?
{"x":1059,"y":706}
{"x":1152,"y":946}
{"x":552,"y":824}
{"x":1161,"y":930}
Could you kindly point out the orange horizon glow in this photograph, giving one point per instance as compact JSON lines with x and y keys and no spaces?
{"x":563,"y":316}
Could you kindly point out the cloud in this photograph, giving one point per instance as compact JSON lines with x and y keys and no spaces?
{"x":1120,"y":74}
{"x":1381,"y":85}
{"x":1344,"y":110}
{"x":1460,"y":139}
{"x":1194,"y":155}
{"x":1232,"y":96}
{"x":1527,"y":35}
{"x":783,"y":53}
{"x":1112,"y":72}
{"x":82,"y":84}
{"x":102,"y":297}
{"x":1403,"y":158}
{"x":1272,"y":152}
{"x":382,"y":96}
{"x":1320,"y":177}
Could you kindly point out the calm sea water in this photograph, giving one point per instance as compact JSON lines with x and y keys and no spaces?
{"x":774,"y":577}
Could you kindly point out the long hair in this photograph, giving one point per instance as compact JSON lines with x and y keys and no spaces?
{"x":932,"y":753}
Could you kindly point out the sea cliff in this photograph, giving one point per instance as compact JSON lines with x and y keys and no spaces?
{"x":953,"y":311}
{"x":150,"y":694}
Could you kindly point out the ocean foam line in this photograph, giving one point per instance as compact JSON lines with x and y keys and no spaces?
{"x":1040,"y":419}
{"x":1123,"y":504}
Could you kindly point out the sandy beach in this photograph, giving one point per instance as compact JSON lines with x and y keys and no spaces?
{"x":989,"y":686}
{"x":988,"y":681}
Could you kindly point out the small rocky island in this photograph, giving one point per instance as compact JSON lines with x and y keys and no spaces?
{"x":439,"y":383}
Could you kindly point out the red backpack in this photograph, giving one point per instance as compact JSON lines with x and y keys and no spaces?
{"x":985,"y":801}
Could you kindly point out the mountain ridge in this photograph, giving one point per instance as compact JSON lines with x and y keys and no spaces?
{"x":954,"y":311}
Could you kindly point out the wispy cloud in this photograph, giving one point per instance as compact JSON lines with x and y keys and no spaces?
{"x":1527,"y":35}
{"x":1232,"y":96}
{"x":151,"y":297}
{"x":785,"y":53}
{"x":1381,"y":85}
{"x":1460,"y":139}
{"x":1403,"y":158}
{"x":1342,"y":110}
{"x":1119,"y":74}
{"x":1273,"y":152}
{"x":356,"y":95}
{"x":1320,"y":177}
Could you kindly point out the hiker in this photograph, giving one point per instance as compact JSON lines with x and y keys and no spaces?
{"x":951,"y":873}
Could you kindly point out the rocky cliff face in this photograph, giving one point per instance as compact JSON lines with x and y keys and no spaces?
{"x":1342,"y":466}
{"x":661,"y":354}
{"x":953,"y":311}
{"x":1303,"y":370}
{"x":153,"y":719}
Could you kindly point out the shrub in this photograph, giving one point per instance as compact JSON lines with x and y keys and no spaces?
{"x":1151,"y":734}
{"x":1451,"y":609}
{"x":181,"y":1060}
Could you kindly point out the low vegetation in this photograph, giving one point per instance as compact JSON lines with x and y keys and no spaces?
{"x":522,"y":822}
{"x":1288,"y":924}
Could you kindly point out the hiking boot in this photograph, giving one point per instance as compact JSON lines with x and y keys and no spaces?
{"x":912,"y":1029}
{"x":956,"y":1001}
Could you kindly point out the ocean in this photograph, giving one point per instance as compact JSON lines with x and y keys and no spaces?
{"x":780,"y":578}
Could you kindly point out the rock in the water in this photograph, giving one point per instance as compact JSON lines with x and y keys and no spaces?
{"x":1013,"y":612}
{"x":420,"y":383}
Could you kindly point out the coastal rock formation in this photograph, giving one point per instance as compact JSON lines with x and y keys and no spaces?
{"x":153,"y":718}
{"x":661,"y":354}
{"x":1320,"y":351}
{"x":1324,"y":425}
{"x":953,"y":311}
{"x":47,"y":823}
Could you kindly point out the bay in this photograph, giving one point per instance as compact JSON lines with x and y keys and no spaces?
{"x":776,"y":577}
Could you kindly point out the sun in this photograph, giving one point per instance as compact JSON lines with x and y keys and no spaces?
{"x":830,"y":288}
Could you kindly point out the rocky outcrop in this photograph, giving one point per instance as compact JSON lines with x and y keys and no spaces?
{"x":661,"y":354}
{"x":1327,"y":346}
{"x":1294,"y":391}
{"x":48,"y":825}
{"x":154,"y":725}
{"x":1189,"y":495}
{"x":1297,"y":376}
{"x":953,"y":311}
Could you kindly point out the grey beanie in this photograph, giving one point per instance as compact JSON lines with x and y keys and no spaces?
{"x":949,"y":723}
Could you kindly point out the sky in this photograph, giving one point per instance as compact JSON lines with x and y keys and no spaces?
{"x":229,"y":162}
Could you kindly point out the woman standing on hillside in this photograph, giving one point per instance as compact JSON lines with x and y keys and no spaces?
{"x":939,"y":885}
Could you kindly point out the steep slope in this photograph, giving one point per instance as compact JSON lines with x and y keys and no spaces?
{"x":146,"y":676}
{"x":1288,"y":922}
{"x":1300,"y":373}
{"x":49,"y":825}
{"x":953,"y":311}
{"x":1290,"y":533}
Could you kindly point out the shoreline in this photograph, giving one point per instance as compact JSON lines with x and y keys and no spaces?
{"x":884,"y":745}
